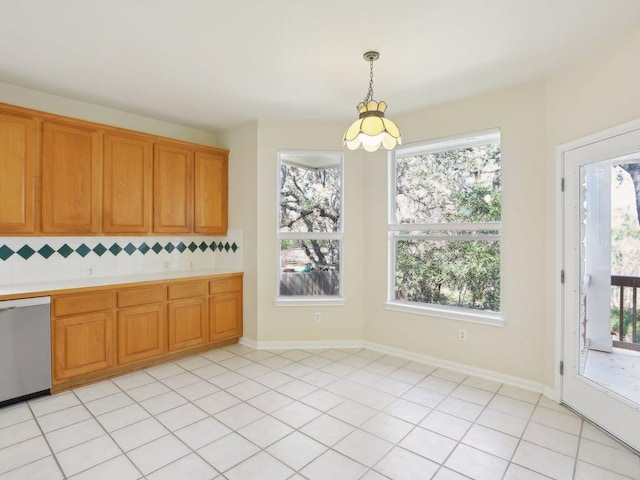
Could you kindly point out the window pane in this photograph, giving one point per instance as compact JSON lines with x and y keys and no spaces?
{"x":309,"y":199}
{"x":461,"y":185}
{"x":454,"y":273}
{"x":309,"y":267}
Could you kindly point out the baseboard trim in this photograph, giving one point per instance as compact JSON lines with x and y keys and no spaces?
{"x":416,"y":357}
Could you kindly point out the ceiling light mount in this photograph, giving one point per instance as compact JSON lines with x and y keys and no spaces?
{"x":371,"y":56}
{"x":371,"y":130}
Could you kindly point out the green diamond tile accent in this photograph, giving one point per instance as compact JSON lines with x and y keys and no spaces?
{"x":157,"y":247}
{"x":5,"y":252}
{"x":99,"y":249}
{"x":130,"y":248}
{"x":143,"y":248}
{"x":65,"y":250}
{"x":220,"y":246}
{"x":213,"y":246}
{"x":203,"y":246}
{"x":46,"y":251}
{"x":181,"y":247}
{"x":227,"y":247}
{"x":169,"y":247}
{"x":193,"y":247}
{"x":26,"y":251}
{"x":234,"y":247}
{"x":115,"y":249}
{"x":83,"y":250}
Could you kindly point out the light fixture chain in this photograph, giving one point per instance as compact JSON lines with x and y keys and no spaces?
{"x":370,"y":92}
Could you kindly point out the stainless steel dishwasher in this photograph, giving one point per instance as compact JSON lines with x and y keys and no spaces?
{"x":25,"y":349}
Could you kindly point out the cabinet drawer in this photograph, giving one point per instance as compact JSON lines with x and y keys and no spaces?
{"x":225,"y":285}
{"x":187,"y":290}
{"x":82,"y":303}
{"x":141,"y":296}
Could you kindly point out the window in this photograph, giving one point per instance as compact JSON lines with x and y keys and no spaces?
{"x":309,"y":226}
{"x":444,"y":228}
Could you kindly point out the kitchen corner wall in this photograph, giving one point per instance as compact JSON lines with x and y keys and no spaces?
{"x":34,"y":259}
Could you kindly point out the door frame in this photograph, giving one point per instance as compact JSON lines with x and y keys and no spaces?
{"x":560,"y":223}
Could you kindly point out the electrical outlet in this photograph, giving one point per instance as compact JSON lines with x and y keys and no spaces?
{"x":90,"y":271}
{"x":166,"y":266}
{"x":318,"y":317}
{"x":462,"y":335}
{"x":190,"y":264}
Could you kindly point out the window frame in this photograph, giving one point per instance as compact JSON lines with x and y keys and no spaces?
{"x":310,"y":300}
{"x":395,"y":230}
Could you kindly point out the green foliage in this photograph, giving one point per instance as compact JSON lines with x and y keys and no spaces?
{"x":434,"y":189}
{"x":627,"y":329}
{"x":454,"y":273}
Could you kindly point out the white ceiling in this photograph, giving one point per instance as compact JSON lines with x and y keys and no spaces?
{"x":212,"y":64}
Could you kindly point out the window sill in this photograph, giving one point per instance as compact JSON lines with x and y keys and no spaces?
{"x":308,"y":301}
{"x":463,"y":315}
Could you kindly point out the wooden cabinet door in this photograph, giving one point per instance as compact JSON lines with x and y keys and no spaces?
{"x":71,"y":179}
{"x":18,"y":167}
{"x":172,"y":189}
{"x":187,"y":323}
{"x":225,"y":310}
{"x":210,"y":193}
{"x":126,"y":201}
{"x":82,"y":344}
{"x":142,"y":332}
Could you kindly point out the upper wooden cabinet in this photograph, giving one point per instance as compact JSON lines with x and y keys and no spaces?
{"x":126,"y":200}
{"x":172,"y":189}
{"x":211,"y":193}
{"x":71,"y":187}
{"x":18,"y":169}
{"x":64,"y":176}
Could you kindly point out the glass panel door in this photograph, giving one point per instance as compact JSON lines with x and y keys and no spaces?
{"x":601,"y":301}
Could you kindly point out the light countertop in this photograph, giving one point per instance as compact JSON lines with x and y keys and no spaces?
{"x":47,"y":287}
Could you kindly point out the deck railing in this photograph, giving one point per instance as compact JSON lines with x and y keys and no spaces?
{"x":627,"y":327}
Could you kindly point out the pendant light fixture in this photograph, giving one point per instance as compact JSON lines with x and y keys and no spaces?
{"x":371,"y":130}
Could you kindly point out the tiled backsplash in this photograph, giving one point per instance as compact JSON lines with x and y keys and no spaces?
{"x":32,"y":259}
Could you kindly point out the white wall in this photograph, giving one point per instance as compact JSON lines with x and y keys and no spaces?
{"x":45,"y":102}
{"x":286,"y":324}
{"x":593,"y":93}
{"x":514,"y":349}
{"x":242,"y":142}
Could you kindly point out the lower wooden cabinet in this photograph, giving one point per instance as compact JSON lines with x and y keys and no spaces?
{"x":225,"y":308}
{"x":102,"y":332}
{"x":142,"y":333}
{"x":187,"y":323}
{"x":83,"y":344}
{"x":225,"y":316}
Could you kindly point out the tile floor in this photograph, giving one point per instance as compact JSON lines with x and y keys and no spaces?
{"x":237,"y":413}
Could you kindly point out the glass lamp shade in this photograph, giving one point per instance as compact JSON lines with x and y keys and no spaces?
{"x":371,"y":130}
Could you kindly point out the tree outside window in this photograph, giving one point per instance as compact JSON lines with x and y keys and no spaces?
{"x":444,"y":230}
{"x":310,"y":223}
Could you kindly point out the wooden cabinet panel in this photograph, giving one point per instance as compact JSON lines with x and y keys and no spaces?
{"x":126,"y":204}
{"x":82,"y":303}
{"x":187,"y":290}
{"x":82,"y":344}
{"x":141,"y":332}
{"x":18,"y":169}
{"x":71,"y":187}
{"x":223,"y":285}
{"x":211,"y":193}
{"x":225,"y":312}
{"x":141,"y":296}
{"x":187,"y":323}
{"x":172,"y":189}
